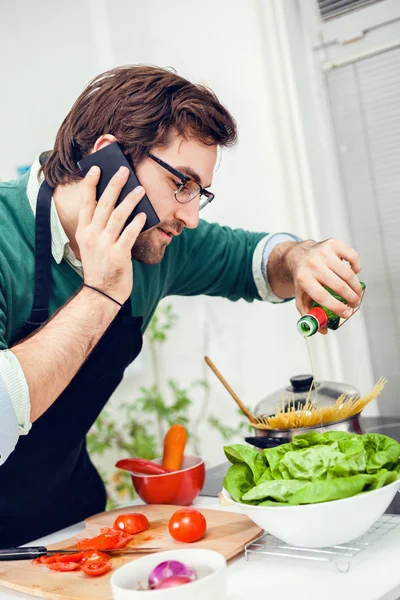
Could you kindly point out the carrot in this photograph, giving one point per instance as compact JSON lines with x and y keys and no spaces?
{"x":174,"y":448}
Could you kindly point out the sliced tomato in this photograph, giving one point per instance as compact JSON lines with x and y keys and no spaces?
{"x":131,"y":523}
{"x":45,"y":560}
{"x":104,"y":541}
{"x":94,"y":568}
{"x":85,"y":544}
{"x":94,"y":555}
{"x":107,"y":530}
{"x":63,"y":566}
{"x":71,"y":557}
{"x":123,"y":541}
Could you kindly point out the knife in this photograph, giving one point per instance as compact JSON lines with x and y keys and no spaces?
{"x":27,"y":552}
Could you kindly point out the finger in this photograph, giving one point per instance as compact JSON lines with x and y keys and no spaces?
{"x":88,"y":204}
{"x":348,"y":253}
{"x":324,"y":331}
{"x":131,"y":232}
{"x":109,"y":197}
{"x":317,"y":292}
{"x":345,"y":273}
{"x":328,"y":278}
{"x":118,"y":218}
{"x":303,"y":302}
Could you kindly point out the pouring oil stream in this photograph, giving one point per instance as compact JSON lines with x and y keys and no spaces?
{"x":311,"y":358}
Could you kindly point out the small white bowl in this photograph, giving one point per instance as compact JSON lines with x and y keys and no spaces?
{"x":129,"y":581}
{"x":325,"y":523}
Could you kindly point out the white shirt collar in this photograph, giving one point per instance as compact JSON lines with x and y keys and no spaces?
{"x":60,"y":247}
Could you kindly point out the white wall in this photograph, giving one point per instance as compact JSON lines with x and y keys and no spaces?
{"x":53,"y":49}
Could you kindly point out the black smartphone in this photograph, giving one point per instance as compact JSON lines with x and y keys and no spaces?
{"x":110,"y":159}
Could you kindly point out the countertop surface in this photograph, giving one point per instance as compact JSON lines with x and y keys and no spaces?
{"x":374,"y":574}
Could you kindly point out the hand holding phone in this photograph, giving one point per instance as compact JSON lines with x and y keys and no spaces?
{"x":105,"y":243}
{"x":110,"y":159}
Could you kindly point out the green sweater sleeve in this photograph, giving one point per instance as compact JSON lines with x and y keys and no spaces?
{"x":213,"y":260}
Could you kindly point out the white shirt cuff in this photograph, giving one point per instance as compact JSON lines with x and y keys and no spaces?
{"x":260,"y":261}
{"x":17,"y":389}
{"x":8,"y":425}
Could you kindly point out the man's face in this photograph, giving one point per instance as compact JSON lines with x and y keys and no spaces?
{"x":190,"y":158}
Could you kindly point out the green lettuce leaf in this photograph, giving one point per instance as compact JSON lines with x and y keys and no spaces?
{"x":238,"y":480}
{"x":381,"y":452}
{"x":272,"y":503}
{"x":383,"y":477}
{"x":239,"y":454}
{"x":338,"y":459}
{"x":266,"y":476}
{"x":333,"y":489}
{"x":279,"y":490}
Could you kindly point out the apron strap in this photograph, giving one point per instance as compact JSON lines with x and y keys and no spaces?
{"x":42,"y":289}
{"x":126,"y":310}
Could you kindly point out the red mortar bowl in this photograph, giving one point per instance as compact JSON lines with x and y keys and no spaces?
{"x":179,"y":487}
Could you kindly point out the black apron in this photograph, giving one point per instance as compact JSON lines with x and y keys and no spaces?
{"x":49,"y":482}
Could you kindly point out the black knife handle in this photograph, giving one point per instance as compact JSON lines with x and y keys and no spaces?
{"x":22,"y":553}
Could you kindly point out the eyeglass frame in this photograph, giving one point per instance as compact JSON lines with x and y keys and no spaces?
{"x":184,"y":179}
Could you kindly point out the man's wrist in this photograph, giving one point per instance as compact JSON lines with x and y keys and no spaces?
{"x":108,"y":308}
{"x":282,"y":265}
{"x":261,"y":255}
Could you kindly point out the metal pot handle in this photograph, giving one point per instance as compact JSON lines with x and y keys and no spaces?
{"x":266,"y":441}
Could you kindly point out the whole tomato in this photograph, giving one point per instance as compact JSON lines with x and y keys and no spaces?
{"x":187,"y":525}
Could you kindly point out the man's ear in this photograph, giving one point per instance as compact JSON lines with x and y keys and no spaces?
{"x":103,"y":141}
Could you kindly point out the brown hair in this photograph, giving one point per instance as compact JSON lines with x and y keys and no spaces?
{"x":140,"y":105}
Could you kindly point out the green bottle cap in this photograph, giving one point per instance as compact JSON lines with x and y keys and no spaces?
{"x":307,"y":325}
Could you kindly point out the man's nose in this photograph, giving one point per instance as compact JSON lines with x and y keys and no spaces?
{"x":188,"y":213}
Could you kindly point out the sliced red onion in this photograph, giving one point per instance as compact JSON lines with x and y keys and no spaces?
{"x":170,"y":568}
{"x":174,"y":581}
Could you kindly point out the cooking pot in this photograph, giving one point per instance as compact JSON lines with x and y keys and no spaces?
{"x":325,"y":393}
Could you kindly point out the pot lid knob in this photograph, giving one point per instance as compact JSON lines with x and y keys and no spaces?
{"x":300,"y":383}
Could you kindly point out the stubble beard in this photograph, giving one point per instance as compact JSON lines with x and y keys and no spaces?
{"x":147,"y":249}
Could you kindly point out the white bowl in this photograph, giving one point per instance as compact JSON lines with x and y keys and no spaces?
{"x":210,"y":567}
{"x":323,"y":524}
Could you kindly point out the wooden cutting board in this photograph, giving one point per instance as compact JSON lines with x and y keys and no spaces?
{"x":227,"y":533}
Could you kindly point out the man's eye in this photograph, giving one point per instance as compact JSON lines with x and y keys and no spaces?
{"x":177,"y":184}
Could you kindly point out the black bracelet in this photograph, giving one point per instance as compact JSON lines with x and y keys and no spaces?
{"x":103,"y":293}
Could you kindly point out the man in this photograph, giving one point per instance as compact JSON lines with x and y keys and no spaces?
{"x":77,"y":290}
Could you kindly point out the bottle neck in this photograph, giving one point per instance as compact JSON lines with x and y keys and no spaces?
{"x":315,"y":319}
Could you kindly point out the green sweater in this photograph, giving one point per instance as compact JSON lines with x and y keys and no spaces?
{"x":211,"y":260}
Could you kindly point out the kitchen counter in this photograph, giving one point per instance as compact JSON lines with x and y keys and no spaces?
{"x":373,"y":575}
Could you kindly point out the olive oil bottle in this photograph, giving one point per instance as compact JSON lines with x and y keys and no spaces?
{"x":319,"y":317}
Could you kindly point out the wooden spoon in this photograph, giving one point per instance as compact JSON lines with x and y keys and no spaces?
{"x":226,"y":385}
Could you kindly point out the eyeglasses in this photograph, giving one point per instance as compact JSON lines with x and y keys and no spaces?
{"x":189,"y":189}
